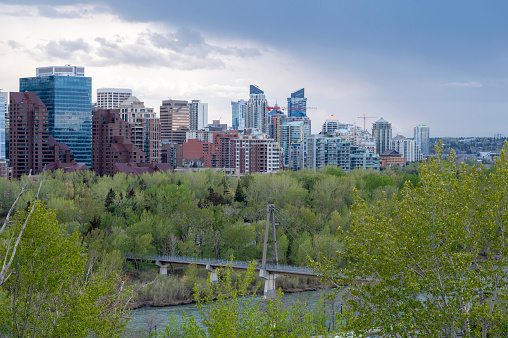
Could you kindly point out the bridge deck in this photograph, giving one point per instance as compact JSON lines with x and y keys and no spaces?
{"x":236,"y":265}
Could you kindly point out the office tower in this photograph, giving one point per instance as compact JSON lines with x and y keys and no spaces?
{"x":325,"y":149}
{"x":256,"y":152}
{"x":198,"y":115}
{"x":297,"y":104}
{"x":409,"y":149}
{"x":174,"y":118}
{"x":67,"y":95}
{"x":256,"y":109}
{"x":330,"y":125}
{"x":145,"y":127}
{"x":4,"y":130}
{"x":382,"y":133}
{"x":422,"y":138}
{"x":291,"y":133}
{"x":110,"y":98}
{"x":111,"y":144}
{"x":238,"y":113}
{"x":29,"y":134}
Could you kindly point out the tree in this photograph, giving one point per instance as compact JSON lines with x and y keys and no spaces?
{"x":433,"y":261}
{"x":53,"y":290}
{"x":230,"y":309}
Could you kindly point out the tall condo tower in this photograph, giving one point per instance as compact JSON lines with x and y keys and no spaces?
{"x":382,"y":133}
{"x":331,"y":124}
{"x":67,"y":95}
{"x":238,"y":112}
{"x":4,"y":131}
{"x":297,"y":104}
{"x":110,"y":98}
{"x":174,"y":119}
{"x":256,"y":109}
{"x":422,"y":138}
{"x":198,"y":115}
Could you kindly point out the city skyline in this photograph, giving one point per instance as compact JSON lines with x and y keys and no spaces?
{"x":438,"y":64}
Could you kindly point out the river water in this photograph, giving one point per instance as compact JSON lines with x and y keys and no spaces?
{"x":142,"y":318}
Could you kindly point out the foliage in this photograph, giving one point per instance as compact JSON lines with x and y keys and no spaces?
{"x":229,"y":309}
{"x":432,"y":262}
{"x":54,"y":291}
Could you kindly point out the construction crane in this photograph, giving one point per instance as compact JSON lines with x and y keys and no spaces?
{"x":364,"y":117}
{"x":288,"y":108}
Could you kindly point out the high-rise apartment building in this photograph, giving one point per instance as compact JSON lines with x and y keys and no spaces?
{"x":422,"y":138}
{"x":323,"y":149}
{"x":291,"y":133}
{"x":256,"y":152}
{"x":198,"y":115}
{"x":331,"y":124}
{"x":273,"y":122}
{"x":111,"y":98}
{"x":382,"y":133}
{"x":409,"y":149}
{"x":111,"y":144}
{"x":29,"y":134}
{"x":238,"y":114}
{"x":174,"y":118}
{"x":297,"y":104}
{"x":145,"y":127}
{"x":256,"y":109}
{"x":67,"y":95}
{"x":4,"y":131}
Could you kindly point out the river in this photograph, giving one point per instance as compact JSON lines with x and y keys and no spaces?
{"x":142,"y":318}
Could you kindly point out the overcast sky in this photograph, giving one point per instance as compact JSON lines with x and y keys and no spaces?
{"x":443,"y":63}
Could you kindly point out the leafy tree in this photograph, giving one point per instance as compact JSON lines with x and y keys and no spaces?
{"x":239,"y":194}
{"x":434,"y":261}
{"x":50,"y":293}
{"x":230,"y":309}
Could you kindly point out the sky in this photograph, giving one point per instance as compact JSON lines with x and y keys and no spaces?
{"x":441,"y":63}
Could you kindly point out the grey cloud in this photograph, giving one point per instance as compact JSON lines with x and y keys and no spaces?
{"x":65,"y":49}
{"x":13,"y":44}
{"x":52,"y":12}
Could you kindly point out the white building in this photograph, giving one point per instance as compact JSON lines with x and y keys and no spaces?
{"x":110,"y":98}
{"x":330,"y":125}
{"x":291,"y":132}
{"x":408,"y":148}
{"x":66,"y":70}
{"x":256,"y":109}
{"x":198,"y":115}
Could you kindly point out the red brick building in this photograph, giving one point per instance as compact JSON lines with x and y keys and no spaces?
{"x":111,"y":142}
{"x":28,"y":134}
{"x":221,"y":153}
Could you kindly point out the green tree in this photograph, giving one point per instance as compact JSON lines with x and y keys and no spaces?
{"x":230,"y":309}
{"x":434,"y":260}
{"x":50,"y":293}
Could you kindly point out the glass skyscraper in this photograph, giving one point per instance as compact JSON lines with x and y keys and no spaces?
{"x":297,"y":104}
{"x":422,"y":138}
{"x":67,"y":94}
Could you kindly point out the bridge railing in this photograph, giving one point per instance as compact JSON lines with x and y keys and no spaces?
{"x":223,"y":262}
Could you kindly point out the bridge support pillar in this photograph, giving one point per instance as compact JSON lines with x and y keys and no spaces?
{"x":270,"y":290}
{"x":163,"y":268}
{"x":213,"y":274}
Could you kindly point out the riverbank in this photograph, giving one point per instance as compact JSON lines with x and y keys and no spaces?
{"x":153,"y":290}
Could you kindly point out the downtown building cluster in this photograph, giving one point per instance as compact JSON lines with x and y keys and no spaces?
{"x":51,"y":123}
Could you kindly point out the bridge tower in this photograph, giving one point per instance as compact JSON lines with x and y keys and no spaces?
{"x":269,"y":291}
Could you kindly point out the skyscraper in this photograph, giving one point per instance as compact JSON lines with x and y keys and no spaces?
{"x":110,"y":98}
{"x":238,"y":112}
{"x":382,"y":133}
{"x":4,"y":132}
{"x":29,"y":135}
{"x":174,"y":117}
{"x":256,"y":109}
{"x":291,"y":133}
{"x":67,"y":95}
{"x":422,"y":138}
{"x":198,"y":115}
{"x":297,"y":104}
